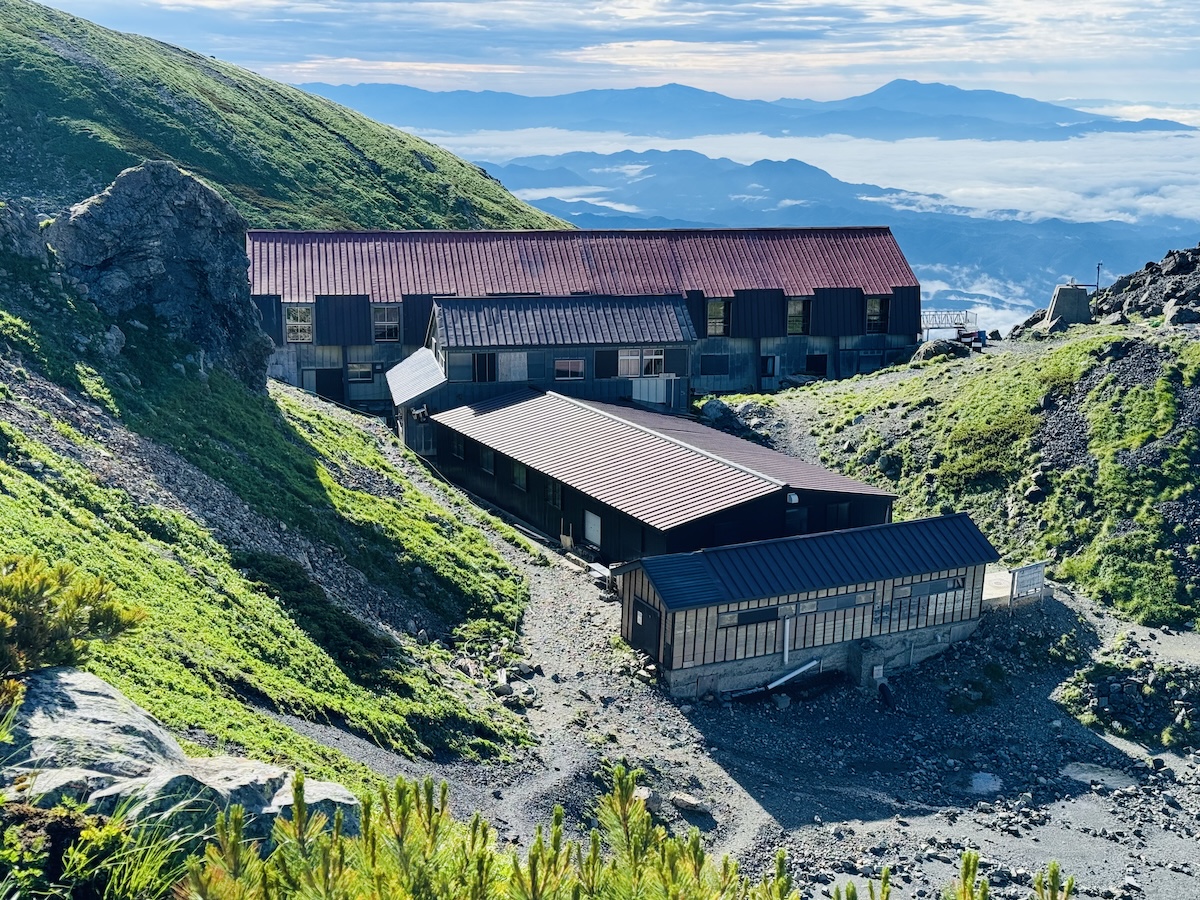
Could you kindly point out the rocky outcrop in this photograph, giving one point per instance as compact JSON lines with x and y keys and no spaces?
{"x":941,"y":348}
{"x":19,"y":232}
{"x":159,"y":237}
{"x":78,"y":738}
{"x":1170,"y":288}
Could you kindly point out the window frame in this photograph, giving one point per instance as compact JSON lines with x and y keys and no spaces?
{"x":717,"y":326}
{"x":652,"y":356}
{"x":488,"y":364}
{"x":458,"y":445}
{"x":300,"y":325}
{"x":799,"y":323}
{"x":570,"y":368}
{"x":369,"y":368}
{"x":487,"y":460}
{"x":877,"y":320}
{"x":768,"y":366}
{"x":629,"y":365}
{"x":520,"y":476}
{"x":553,"y":492}
{"x":390,"y":323}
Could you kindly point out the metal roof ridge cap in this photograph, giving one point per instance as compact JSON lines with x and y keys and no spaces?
{"x":666,"y":437}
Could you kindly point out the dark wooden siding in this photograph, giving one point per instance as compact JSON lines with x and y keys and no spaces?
{"x":271,"y":310}
{"x":414,"y":319}
{"x":758,"y":313}
{"x":343,"y":320}
{"x":838,"y":312}
{"x":905,"y":312}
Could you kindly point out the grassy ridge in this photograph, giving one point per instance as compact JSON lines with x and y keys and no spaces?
{"x":233,"y":634}
{"x":79,"y":103}
{"x":967,"y":435}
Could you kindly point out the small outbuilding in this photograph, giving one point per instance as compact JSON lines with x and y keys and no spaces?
{"x":863,"y":600}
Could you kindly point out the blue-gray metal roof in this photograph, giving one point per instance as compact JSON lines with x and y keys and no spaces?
{"x":816,"y":561}
{"x":558,"y":321}
{"x":414,"y":376}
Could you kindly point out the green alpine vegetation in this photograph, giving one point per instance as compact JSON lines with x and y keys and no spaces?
{"x":1079,"y":450}
{"x":79,"y":103}
{"x":231,"y":632}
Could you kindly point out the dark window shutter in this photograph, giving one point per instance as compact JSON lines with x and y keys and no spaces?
{"x":606,"y":363}
{"x":676,"y":362}
{"x":714,"y":364}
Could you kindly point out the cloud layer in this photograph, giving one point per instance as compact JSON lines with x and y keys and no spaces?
{"x":1127,"y":49}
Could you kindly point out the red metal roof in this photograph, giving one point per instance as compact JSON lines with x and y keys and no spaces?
{"x":299,"y":265}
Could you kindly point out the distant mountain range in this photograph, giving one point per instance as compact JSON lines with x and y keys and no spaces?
{"x":1000,"y":265}
{"x":900,"y":109}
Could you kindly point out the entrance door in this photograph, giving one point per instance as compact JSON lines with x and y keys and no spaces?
{"x":591,"y":528}
{"x":644,"y":633}
{"x":330,"y":385}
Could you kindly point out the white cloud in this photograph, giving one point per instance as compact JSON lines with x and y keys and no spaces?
{"x":1084,"y":179}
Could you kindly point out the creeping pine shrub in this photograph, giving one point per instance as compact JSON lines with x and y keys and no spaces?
{"x":49,"y":613}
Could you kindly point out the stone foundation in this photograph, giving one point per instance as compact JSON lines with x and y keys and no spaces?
{"x":865,"y":661}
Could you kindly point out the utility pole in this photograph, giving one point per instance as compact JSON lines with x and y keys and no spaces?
{"x":1098,"y":265}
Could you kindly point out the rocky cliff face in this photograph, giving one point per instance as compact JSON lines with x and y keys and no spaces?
{"x":1170,"y":288}
{"x":159,"y":237}
{"x":19,"y":232}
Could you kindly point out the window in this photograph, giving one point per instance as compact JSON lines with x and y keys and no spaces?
{"x":460,"y":366}
{"x":458,"y":445}
{"x":837,"y":515}
{"x":568,"y":369}
{"x":714,"y":363}
{"x":483,"y":367}
{"x":520,"y":476}
{"x":798,"y":315}
{"x":653,"y":362}
{"x":766,"y":366}
{"x":487,"y":460}
{"x":299,"y":324}
{"x":554,"y":493}
{"x":386,"y":320}
{"x":360,"y":372}
{"x":629,"y":364}
{"x":718,"y":318}
{"x":877,"y":315}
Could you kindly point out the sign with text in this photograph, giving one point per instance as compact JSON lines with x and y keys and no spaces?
{"x":1028,"y":581}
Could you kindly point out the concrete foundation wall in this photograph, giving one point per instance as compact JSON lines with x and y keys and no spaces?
{"x":859,"y":659}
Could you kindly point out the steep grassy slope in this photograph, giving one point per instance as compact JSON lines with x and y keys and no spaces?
{"x":78,"y":103}
{"x":249,"y":527}
{"x":1082,"y":450}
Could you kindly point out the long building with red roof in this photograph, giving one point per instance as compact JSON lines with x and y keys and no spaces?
{"x":709,"y":310}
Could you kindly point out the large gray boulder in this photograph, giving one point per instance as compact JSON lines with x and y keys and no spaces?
{"x":941,"y":348}
{"x":78,"y":738}
{"x":159,"y":237}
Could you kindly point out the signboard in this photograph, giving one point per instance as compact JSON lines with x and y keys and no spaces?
{"x":1027,"y":582}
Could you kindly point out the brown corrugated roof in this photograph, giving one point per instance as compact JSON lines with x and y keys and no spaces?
{"x":623,"y":465}
{"x":788,"y":469}
{"x":298,"y":266}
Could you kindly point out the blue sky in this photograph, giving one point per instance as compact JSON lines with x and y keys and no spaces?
{"x":1127,"y":50}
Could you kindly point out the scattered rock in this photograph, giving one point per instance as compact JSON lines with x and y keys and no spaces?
{"x":689,"y":803}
